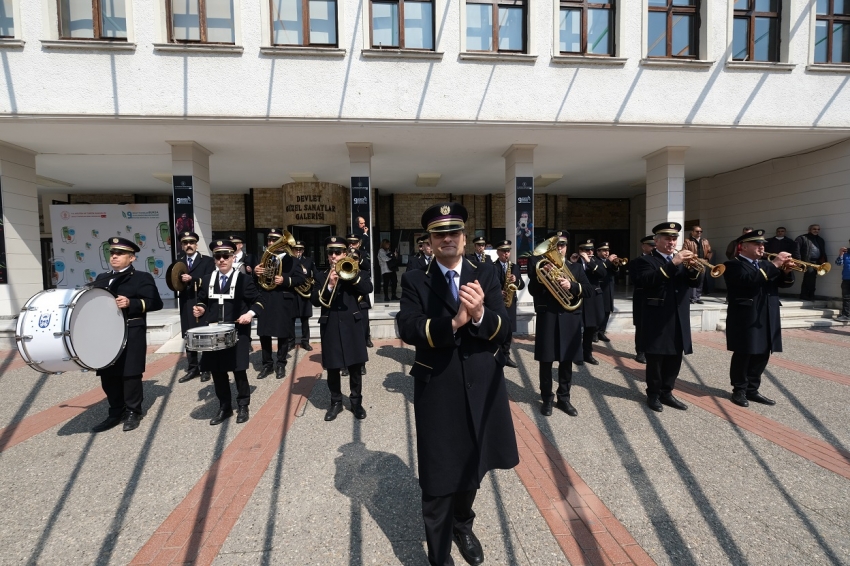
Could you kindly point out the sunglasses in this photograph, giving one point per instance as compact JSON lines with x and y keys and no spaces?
{"x":219,"y":257}
{"x":336,"y":252}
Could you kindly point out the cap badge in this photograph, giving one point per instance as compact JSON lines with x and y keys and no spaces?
{"x":445,"y":210}
{"x":218,"y":243}
{"x":672,"y":225}
{"x":114,"y":240}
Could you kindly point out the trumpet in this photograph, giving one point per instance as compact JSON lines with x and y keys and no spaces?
{"x":701,"y":265}
{"x":551,"y":279}
{"x":801,"y":266}
{"x":621,"y":261}
{"x":347,"y":268}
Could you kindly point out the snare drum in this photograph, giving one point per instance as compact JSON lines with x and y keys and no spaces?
{"x":71,"y":330}
{"x":211,"y":338}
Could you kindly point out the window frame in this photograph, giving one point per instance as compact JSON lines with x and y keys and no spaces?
{"x":97,"y":24}
{"x":305,"y":27}
{"x":15,"y":25}
{"x":401,"y":38}
{"x":750,"y":14}
{"x":671,"y":10}
{"x":585,"y":6}
{"x":495,"y":13}
{"x":202,"y":25}
{"x":830,"y":17}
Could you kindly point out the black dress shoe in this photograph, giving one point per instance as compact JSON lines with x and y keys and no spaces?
{"x":363,"y":370}
{"x":395,"y":298}
{"x":602,"y":337}
{"x":242,"y":414}
{"x":591,"y":360}
{"x":369,"y":343}
{"x":510,"y":363}
{"x":222,"y":415}
{"x":740,"y":399}
{"x":546,"y":408}
{"x":132,"y":421}
{"x":469,"y":548}
{"x":595,"y":338}
{"x":759,"y":398}
{"x":670,"y":401}
{"x":280,"y":371}
{"x":386,"y":299}
{"x":265,"y":372}
{"x":640,"y":358}
{"x":699,"y":302}
{"x":109,"y":422}
{"x":206,"y":376}
{"x":333,"y":411}
{"x":306,"y":346}
{"x":579,"y":363}
{"x":654,"y":404}
{"x":359,"y":411}
{"x":565,"y":406}
{"x":343,"y":372}
{"x":191,"y":374}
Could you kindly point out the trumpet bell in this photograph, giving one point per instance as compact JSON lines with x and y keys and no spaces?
{"x":347,"y":268}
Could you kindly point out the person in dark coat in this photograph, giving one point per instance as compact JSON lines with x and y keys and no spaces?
{"x":479,"y":256}
{"x":557,"y":336}
{"x":279,"y":307}
{"x":753,"y":327}
{"x":666,"y":278}
{"x":454,"y":315}
{"x":244,"y":261}
{"x":229,"y":296}
{"x":341,"y":325}
{"x":593,"y":305}
{"x":354,"y":242}
{"x":199,"y":265}
{"x":812,"y":250}
{"x":782,"y":243}
{"x":514,"y":276}
{"x":303,"y":306}
{"x":647,"y":244}
{"x":612,"y":267}
{"x":423,"y":259}
{"x":136,"y":295}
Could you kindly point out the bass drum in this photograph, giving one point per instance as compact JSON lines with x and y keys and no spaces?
{"x":71,"y":330}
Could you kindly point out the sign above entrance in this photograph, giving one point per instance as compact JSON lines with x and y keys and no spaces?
{"x":314,"y":204}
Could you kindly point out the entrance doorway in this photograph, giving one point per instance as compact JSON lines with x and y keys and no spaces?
{"x":314,"y":242}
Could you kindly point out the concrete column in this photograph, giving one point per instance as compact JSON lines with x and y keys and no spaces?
{"x":360,"y":160}
{"x":665,"y":186}
{"x":20,"y":228}
{"x":191,"y":158}
{"x":519,"y":162}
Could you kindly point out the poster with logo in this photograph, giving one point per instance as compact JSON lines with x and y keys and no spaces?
{"x":524,"y":242}
{"x":360,"y":208}
{"x":81,"y":248}
{"x":184,"y":207}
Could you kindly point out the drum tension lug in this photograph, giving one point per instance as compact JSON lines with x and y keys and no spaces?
{"x":26,"y":337}
{"x":58,"y":334}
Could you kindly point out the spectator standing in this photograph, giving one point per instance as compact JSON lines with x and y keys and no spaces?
{"x":844,"y":260}
{"x":389,"y":267}
{"x":701,"y":249}
{"x":812,"y":250}
{"x":781,"y":243}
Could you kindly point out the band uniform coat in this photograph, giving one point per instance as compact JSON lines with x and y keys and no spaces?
{"x":594,"y":303}
{"x":637,"y":293}
{"x":666,"y":320}
{"x":303,"y":305}
{"x":515,"y":270}
{"x":555,"y":326}
{"x":752,"y":319}
{"x":463,"y":421}
{"x":366,"y":265}
{"x":245,"y":297}
{"x":279,"y":303}
{"x":188,"y":297}
{"x":341,"y":325}
{"x":607,"y":282}
{"x":140,"y":288}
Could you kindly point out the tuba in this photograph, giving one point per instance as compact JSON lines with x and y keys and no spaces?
{"x":509,"y":289}
{"x":348,"y":268}
{"x":548,"y":249}
{"x":274,"y":265}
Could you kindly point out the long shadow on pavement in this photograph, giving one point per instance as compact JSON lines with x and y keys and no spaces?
{"x":9,"y":431}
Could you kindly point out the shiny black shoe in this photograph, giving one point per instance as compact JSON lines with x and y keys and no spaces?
{"x":470,"y":548}
{"x":190,"y":375}
{"x":109,"y":422}
{"x":640,"y":358}
{"x":546,"y":408}
{"x":223,"y":414}
{"x":265,"y":372}
{"x":567,"y":407}
{"x":579,"y":363}
{"x":306,"y":346}
{"x":344,"y":372}
{"x":279,"y":371}
{"x":242,"y":414}
{"x":334,"y":410}
{"x":363,"y":370}
{"x":369,"y":342}
{"x":206,"y":376}
{"x":358,"y":410}
{"x":595,"y":338}
{"x":603,"y":337}
{"x":592,"y":361}
{"x":132,"y":421}
{"x":670,"y":401}
{"x":510,"y":363}
{"x":740,"y":399}
{"x":759,"y":398}
{"x":654,"y":404}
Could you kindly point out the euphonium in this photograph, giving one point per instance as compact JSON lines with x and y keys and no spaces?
{"x":509,"y":288}
{"x":274,"y":265}
{"x":551,"y":278}
{"x":348,"y":268}
{"x":801,"y":266}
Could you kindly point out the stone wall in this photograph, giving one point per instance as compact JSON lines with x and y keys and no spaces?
{"x":228,"y":212}
{"x":596,"y":214}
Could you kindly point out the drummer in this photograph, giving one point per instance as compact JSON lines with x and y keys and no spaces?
{"x":228,"y":296}
{"x":136,"y":295}
{"x":198,"y":265}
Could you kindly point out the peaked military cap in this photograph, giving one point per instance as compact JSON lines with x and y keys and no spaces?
{"x":336,"y":242}
{"x":226,"y":246}
{"x":123,"y":244}
{"x":422,"y":239}
{"x":667,"y":229}
{"x":353,"y":238}
{"x":562,"y":235}
{"x":756,"y":236}
{"x":587,"y":244}
{"x":603,"y":246}
{"x":189,"y":237}
{"x":445,"y":217}
{"x":504,"y":245}
{"x":274,"y":234}
{"x":299,"y":245}
{"x":648,"y":240}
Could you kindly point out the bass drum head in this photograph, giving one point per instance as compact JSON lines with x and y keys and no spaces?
{"x":98,"y":331}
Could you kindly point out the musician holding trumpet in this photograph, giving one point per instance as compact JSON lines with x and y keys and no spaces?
{"x":511,"y":281}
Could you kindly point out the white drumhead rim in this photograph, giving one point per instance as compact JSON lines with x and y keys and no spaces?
{"x":70,"y":319}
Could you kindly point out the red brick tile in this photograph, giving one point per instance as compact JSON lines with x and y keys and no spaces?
{"x":618,"y":531}
{"x":206,"y":555}
{"x":611,"y":547}
{"x":590,"y":520}
{"x":166,"y":556}
{"x":151,"y":548}
{"x":539,"y":498}
{"x":638,"y":555}
{"x":565,"y":510}
{"x":525,"y":475}
{"x":555,"y":522}
{"x":582,"y":534}
{"x":572,"y":550}
{"x":596,"y":505}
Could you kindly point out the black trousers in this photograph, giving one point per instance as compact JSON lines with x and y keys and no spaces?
{"x":123,"y":393}
{"x":587,"y":341}
{"x":565,"y":380}
{"x":637,"y":339}
{"x":366,"y":326}
{"x":661,"y":373}
{"x":222,"y":388}
{"x":506,"y":345}
{"x":355,"y":383}
{"x":443,"y":515}
{"x":604,"y":325}
{"x":305,"y":329}
{"x":845,"y":297}
{"x":745,"y":371}
{"x":194,"y":359}
{"x":807,"y":289}
{"x":390,"y":282}
{"x":266,"y":345}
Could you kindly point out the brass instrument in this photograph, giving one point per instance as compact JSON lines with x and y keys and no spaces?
{"x":622,"y":260}
{"x":801,"y":266}
{"x":509,"y":289}
{"x":306,"y":288}
{"x":550,"y":279}
{"x":701,"y":265}
{"x":272,"y":264}
{"x":348,"y":268}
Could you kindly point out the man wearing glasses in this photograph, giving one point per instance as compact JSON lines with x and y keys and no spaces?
{"x":701,"y":249}
{"x":199,"y":265}
{"x":136,"y":295}
{"x":228,"y":296}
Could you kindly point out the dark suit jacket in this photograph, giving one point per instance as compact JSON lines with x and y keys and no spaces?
{"x":611,"y":272}
{"x":418,"y":262}
{"x":140,"y":288}
{"x":474,"y":259}
{"x":666,"y":321}
{"x":188,"y":298}
{"x":594,"y":303}
{"x":463,"y":422}
{"x":342,"y":325}
{"x":557,"y":336}
{"x":303,"y":306}
{"x":786,"y":244}
{"x":637,"y":293}
{"x":752,"y":317}
{"x":519,"y":283}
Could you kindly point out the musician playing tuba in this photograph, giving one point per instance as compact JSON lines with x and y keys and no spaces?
{"x":559,"y":323}
{"x":511,"y":281}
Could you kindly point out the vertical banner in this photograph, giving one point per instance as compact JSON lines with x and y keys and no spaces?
{"x":4,"y":275}
{"x":360,"y":207}
{"x":184,"y":209}
{"x":524,"y":221}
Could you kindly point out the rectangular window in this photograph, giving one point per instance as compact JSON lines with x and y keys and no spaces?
{"x":202,"y":21}
{"x":295,"y":20}
{"x":755,"y":31}
{"x":7,"y":19}
{"x":587,"y":28}
{"x":403,"y":24}
{"x":87,"y":19}
{"x":832,"y":31}
{"x":496,"y":25}
{"x":673,"y":29}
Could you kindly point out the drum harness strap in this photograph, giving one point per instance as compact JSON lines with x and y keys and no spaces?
{"x":222,"y":296}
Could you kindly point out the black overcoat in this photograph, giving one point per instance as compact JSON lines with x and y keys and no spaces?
{"x":520,"y":284}
{"x":245,"y":297}
{"x":557,"y":334}
{"x":637,"y":294}
{"x":303,"y":306}
{"x":188,"y":297}
{"x":666,"y":320}
{"x":365,"y":298}
{"x":418,"y":262}
{"x":752,"y":317}
{"x":463,"y":421}
{"x":140,"y":288}
{"x":607,"y":282}
{"x":279,"y":304}
{"x":341,"y":325}
{"x":474,"y":259}
{"x":593,"y":305}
